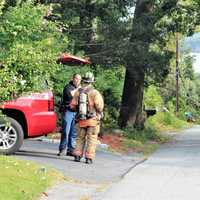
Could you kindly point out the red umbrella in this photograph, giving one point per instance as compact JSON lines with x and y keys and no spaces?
{"x":68,"y":59}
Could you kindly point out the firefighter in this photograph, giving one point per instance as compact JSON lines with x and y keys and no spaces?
{"x":89,"y":104}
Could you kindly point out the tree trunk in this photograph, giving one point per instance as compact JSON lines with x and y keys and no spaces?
{"x":132,"y":98}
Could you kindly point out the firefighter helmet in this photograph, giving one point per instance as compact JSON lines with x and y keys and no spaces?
{"x":88,"y":77}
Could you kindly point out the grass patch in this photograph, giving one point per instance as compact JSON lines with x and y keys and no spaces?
{"x":149,"y":139}
{"x":24,"y":180}
{"x":143,"y":136}
{"x":145,"y":141}
{"x":166,"y":121}
{"x":130,"y":145}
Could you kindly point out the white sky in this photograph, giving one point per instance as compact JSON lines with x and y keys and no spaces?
{"x":197,"y":62}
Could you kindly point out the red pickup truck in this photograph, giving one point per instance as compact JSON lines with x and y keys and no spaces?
{"x":30,"y":115}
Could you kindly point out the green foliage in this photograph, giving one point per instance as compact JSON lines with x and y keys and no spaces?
{"x":103,"y":31}
{"x":32,"y":179}
{"x":2,"y":2}
{"x":188,"y":85}
{"x":154,"y":25}
{"x":190,"y":97}
{"x":108,"y":82}
{"x":30,"y":46}
{"x":164,"y":121}
{"x":31,"y":43}
{"x":149,"y":133}
{"x":147,"y":140}
{"x":63,"y":76}
{"x":187,"y":66}
{"x":99,"y":28}
{"x":152,"y":99}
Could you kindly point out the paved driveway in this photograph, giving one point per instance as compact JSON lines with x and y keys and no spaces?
{"x":108,"y":167}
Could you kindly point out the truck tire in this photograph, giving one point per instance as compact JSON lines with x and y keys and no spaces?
{"x":11,"y":136}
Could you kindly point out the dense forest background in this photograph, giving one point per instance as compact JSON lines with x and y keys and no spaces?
{"x":131,"y":45}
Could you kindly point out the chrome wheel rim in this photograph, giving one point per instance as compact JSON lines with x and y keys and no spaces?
{"x":8,"y":137}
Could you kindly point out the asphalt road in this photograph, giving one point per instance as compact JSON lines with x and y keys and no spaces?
{"x":171,"y":173}
{"x":108,"y":167}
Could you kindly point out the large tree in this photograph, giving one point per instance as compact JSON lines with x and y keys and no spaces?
{"x":97,"y":28}
{"x":101,"y":29}
{"x":147,"y":54}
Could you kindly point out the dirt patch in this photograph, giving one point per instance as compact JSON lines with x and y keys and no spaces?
{"x":114,"y":142}
{"x":118,"y":143}
{"x":127,"y":146}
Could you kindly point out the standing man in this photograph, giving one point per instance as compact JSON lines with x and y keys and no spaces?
{"x":89,"y":104}
{"x":69,"y":134}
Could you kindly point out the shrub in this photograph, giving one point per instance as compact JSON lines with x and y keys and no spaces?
{"x":165,"y":121}
{"x":152,"y":99}
{"x":149,"y":133}
{"x":29,"y":48}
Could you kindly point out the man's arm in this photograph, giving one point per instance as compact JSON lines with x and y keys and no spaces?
{"x":74,"y":102}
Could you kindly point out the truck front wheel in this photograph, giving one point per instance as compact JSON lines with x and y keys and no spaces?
{"x":11,"y":136}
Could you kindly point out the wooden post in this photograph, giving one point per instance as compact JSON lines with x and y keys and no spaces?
{"x":177,"y":73}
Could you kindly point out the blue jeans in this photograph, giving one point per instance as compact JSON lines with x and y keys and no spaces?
{"x":69,"y":134}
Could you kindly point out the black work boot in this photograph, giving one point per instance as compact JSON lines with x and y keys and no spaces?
{"x":69,"y":153}
{"x":77,"y":158}
{"x":88,"y":161}
{"x":61,"y":153}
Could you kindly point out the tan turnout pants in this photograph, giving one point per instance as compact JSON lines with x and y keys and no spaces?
{"x":87,"y":139}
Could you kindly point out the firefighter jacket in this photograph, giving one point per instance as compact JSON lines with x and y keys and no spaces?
{"x":95,"y":106}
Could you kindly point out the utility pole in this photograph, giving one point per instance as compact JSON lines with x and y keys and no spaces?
{"x":177,"y":73}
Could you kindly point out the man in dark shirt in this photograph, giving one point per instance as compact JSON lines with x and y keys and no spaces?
{"x":68,"y":134}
